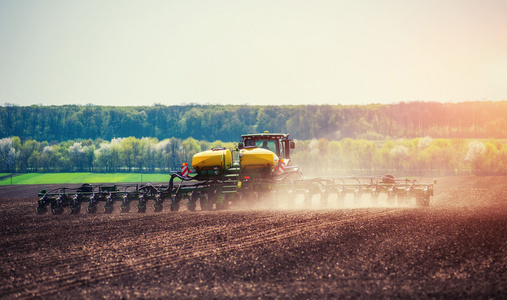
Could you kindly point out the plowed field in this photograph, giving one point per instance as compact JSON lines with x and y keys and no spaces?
{"x":456,"y":248}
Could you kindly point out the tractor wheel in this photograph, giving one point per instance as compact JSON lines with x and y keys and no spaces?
{"x":425,"y":201}
{"x":206,"y":207}
{"x":221,"y":202}
{"x":418,"y":199}
{"x":222,"y":206}
{"x":203,"y":201}
{"x":125,"y":208}
{"x":175,"y":207}
{"x":204,"y":204}
{"x":109,"y":210}
{"x":56,"y":210}
{"x":75,"y":210}
{"x":158,"y":207}
{"x":209,"y":201}
{"x":191,"y":206}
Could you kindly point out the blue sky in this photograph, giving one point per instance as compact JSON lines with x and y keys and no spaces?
{"x":252,"y":52}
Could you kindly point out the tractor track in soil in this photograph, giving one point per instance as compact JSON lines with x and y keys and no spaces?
{"x":454,"y":248}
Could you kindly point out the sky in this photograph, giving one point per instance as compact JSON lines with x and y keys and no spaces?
{"x":123,"y":52}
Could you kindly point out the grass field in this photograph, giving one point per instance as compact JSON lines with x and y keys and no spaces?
{"x":56,"y":178}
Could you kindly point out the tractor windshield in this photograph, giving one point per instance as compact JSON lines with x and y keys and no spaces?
{"x":272,"y":145}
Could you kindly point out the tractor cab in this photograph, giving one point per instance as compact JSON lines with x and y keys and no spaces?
{"x":278,"y":143}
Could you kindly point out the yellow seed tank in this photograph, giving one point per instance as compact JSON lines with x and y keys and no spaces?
{"x":257,"y":158}
{"x":217,"y":157}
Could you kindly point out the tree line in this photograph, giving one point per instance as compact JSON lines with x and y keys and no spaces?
{"x":471,"y":120}
{"x":404,"y":157}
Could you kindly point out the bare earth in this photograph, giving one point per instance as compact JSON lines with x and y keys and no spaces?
{"x":456,"y":248}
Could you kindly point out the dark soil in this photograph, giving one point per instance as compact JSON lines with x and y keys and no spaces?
{"x":456,"y":248}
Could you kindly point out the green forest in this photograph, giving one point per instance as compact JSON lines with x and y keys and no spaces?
{"x":476,"y":120}
{"x":407,"y":139}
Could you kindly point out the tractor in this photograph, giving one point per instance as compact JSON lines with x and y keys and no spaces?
{"x":258,"y":172}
